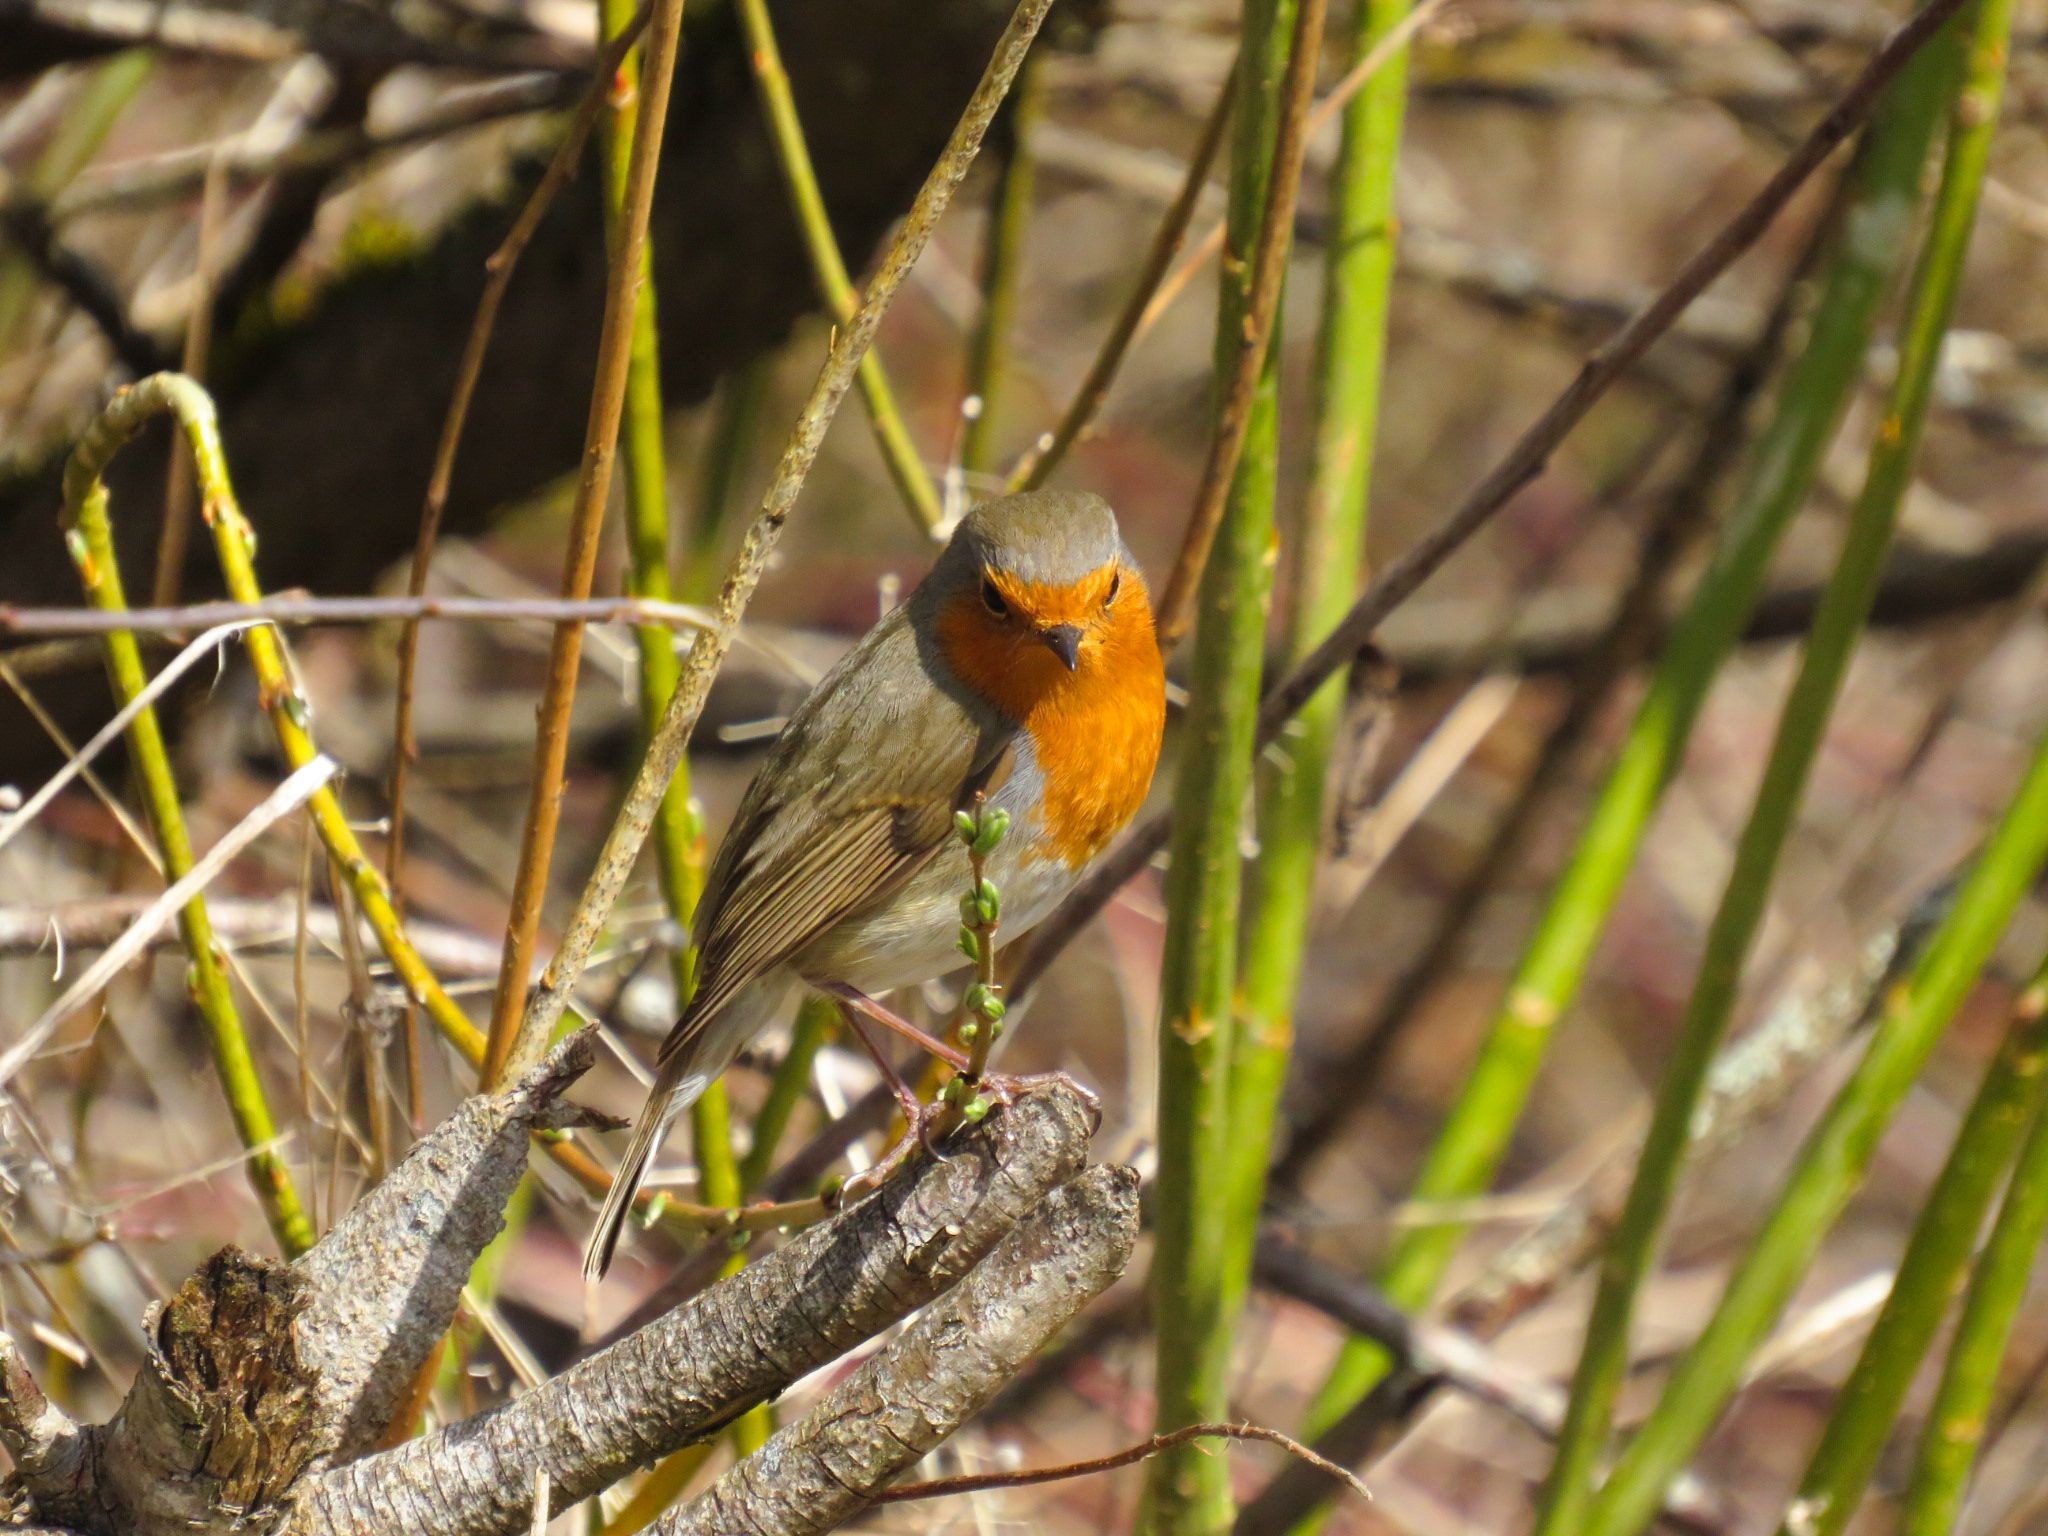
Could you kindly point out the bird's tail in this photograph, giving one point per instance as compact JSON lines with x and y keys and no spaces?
{"x":679,"y":1084}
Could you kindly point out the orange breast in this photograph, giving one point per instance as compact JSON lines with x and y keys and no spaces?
{"x":1096,"y":730}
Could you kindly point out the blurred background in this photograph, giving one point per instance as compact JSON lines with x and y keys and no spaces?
{"x":295,"y":200}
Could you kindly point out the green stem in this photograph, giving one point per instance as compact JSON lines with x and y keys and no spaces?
{"x":234,"y":543}
{"x":828,"y":267}
{"x":678,"y":833}
{"x":1837,"y":626}
{"x":1324,"y":555}
{"x":1929,"y":1274}
{"x":1831,"y":1163}
{"x":1467,"y":1151}
{"x":91,"y":539}
{"x":1002,"y":254}
{"x":1955,"y":1424}
{"x":1186,"y":1489}
{"x":1823,"y":1177}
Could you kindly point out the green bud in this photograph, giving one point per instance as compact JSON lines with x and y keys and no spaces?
{"x":970,"y":945}
{"x":989,"y":899}
{"x":975,"y":1110}
{"x":993,"y":827}
{"x":995,"y":1025}
{"x":970,"y":911}
{"x":652,"y":1214}
{"x":955,"y":1090}
{"x":969,"y":1032}
{"x":963,"y":823}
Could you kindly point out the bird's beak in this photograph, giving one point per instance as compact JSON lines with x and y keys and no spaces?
{"x":1064,"y":641}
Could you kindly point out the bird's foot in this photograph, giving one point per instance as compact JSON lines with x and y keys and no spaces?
{"x":924,"y":1125}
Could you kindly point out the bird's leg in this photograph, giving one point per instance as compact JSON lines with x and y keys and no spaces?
{"x":906,"y":1097}
{"x":852,"y":1000}
{"x":918,"y":1118}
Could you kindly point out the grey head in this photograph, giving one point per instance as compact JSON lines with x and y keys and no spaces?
{"x":1045,"y":538}
{"x":1042,"y":562}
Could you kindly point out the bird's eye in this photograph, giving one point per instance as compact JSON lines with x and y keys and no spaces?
{"x":1116,"y":581}
{"x":992,"y":600}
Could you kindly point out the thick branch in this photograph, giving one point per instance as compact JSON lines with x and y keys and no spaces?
{"x":386,"y":1279}
{"x":822,"y":1471}
{"x":738,"y":1344}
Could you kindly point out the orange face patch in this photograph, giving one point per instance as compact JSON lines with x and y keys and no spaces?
{"x":1079,"y":603}
{"x":1096,"y":729}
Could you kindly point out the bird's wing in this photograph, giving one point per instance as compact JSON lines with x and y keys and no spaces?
{"x":858,"y":792}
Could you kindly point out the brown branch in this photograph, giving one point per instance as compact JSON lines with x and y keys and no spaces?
{"x":1679,"y":525}
{"x":825,"y":1469}
{"x":1176,"y":609}
{"x":579,"y":568}
{"x":684,"y":1376}
{"x":1524,"y":462}
{"x":499,"y":269}
{"x":983,"y":1482}
{"x":1040,"y":459}
{"x":671,"y":736}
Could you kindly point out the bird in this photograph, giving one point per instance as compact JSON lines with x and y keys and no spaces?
{"x":1023,"y":674}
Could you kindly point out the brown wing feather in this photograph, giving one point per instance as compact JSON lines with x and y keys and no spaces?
{"x":825,"y":831}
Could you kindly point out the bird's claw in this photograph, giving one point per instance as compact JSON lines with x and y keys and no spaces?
{"x":921,"y":1124}
{"x":926,"y":1126}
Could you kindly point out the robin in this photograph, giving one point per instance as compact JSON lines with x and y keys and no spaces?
{"x":1024,"y":670}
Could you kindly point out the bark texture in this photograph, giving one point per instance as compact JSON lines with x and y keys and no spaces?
{"x":819,"y":1473}
{"x":682,"y":1377}
{"x":386,"y":1280}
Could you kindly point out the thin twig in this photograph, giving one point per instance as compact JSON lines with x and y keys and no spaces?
{"x":281,"y":802}
{"x":1040,"y":459}
{"x":629,"y":829}
{"x":77,"y":761}
{"x":179,"y":484}
{"x":981,"y":1482}
{"x":1666,"y":546}
{"x":355,"y":610}
{"x":586,"y":521}
{"x":143,"y":184}
{"x":1326,"y":110}
{"x":498,"y":269}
